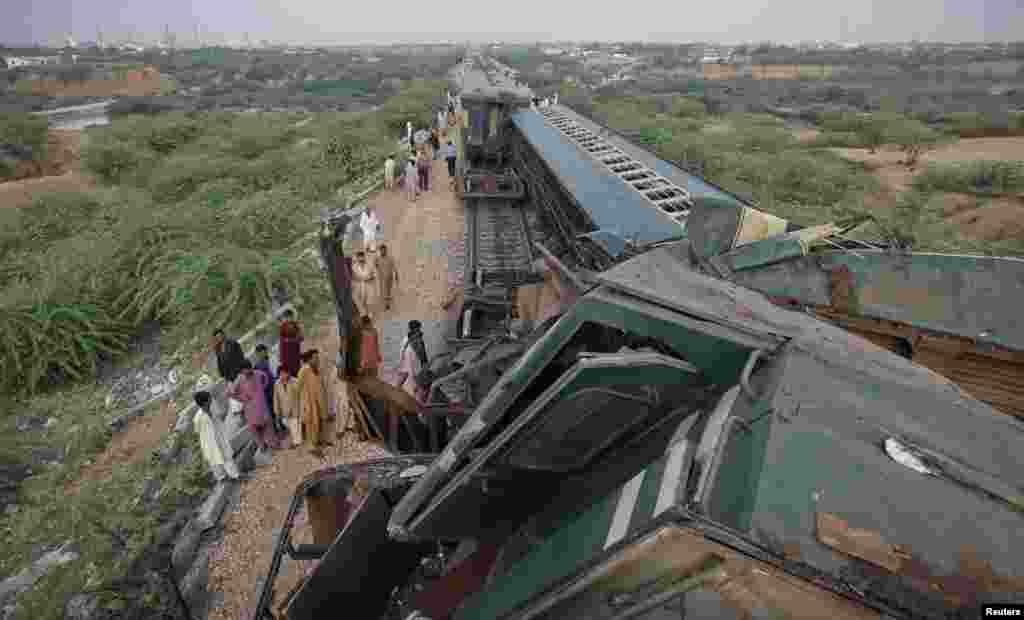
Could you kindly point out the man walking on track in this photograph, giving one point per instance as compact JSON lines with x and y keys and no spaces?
{"x":450,"y":156}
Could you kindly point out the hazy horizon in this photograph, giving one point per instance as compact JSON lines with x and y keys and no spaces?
{"x":310,"y":21}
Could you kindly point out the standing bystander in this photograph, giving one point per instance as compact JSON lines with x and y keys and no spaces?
{"x":214,"y":446}
{"x":388,"y":274}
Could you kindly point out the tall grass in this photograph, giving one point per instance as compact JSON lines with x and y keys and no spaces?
{"x":196,"y":227}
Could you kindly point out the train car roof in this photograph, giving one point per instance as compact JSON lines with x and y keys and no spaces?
{"x":697,"y":186}
{"x":612,"y":206}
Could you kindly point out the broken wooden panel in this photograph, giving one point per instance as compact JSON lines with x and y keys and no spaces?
{"x":991,"y":374}
{"x":997,"y":382}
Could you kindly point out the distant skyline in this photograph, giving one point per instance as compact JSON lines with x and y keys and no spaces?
{"x":323,"y":22}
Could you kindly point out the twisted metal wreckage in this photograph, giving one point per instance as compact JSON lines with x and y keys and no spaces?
{"x":715,"y":400}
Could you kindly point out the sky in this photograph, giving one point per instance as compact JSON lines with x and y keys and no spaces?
{"x":338,"y":22}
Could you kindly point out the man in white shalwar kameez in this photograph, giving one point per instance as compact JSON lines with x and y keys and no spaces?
{"x":370,"y":226}
{"x":214,"y":446}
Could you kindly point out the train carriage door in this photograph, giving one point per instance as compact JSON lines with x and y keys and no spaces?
{"x":360,"y":569}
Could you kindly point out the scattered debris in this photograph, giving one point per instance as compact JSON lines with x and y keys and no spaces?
{"x":129,"y":391}
{"x":26,"y":423}
{"x":81,"y":606}
{"x":47,"y":455}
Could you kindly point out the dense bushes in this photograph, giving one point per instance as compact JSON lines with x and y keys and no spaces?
{"x":198,"y":228}
{"x":979,"y":177}
{"x":21,"y":134}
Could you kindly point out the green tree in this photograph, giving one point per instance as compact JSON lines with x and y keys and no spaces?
{"x":913,"y":138}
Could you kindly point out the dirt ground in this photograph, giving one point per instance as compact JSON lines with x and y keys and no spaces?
{"x":990,"y":220}
{"x":133,"y":445}
{"x":98,"y":88}
{"x":60,"y":172}
{"x":243,"y":557}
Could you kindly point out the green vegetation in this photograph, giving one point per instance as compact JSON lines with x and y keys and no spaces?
{"x":23,"y":133}
{"x":984,"y":178}
{"x":920,"y":217}
{"x":751,"y":154}
{"x":757,"y":157}
{"x":197,"y":228}
{"x":107,"y":521}
{"x":978,"y":124}
{"x":201,"y":217}
{"x":871,"y":131}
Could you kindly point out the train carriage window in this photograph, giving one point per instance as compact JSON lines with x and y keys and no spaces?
{"x":599,"y":401}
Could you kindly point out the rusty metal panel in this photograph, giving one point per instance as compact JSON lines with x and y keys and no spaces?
{"x":327,"y":516}
{"x":842,"y":289}
{"x":839,"y":421}
{"x":974,"y":297}
{"x":668,"y":556}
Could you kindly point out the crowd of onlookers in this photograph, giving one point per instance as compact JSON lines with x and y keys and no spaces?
{"x":289,"y":406}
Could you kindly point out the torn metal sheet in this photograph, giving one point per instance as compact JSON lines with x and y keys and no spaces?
{"x":867,"y":545}
{"x":905,"y":457}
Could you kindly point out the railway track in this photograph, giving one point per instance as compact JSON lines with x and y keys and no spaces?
{"x":498,"y":241}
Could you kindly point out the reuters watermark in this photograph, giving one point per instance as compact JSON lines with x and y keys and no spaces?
{"x":1010,"y":610}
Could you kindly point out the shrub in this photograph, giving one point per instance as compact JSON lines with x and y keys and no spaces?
{"x":47,"y":337}
{"x":255,"y":139}
{"x":180,"y":175}
{"x":169,"y":133}
{"x":913,"y":137}
{"x":687,"y":107}
{"x":114,"y":161}
{"x":25,"y":130}
{"x":55,"y":216}
{"x":7,"y":168}
{"x":981,"y":177}
{"x":840,"y":139}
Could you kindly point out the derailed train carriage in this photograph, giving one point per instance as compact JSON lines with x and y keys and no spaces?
{"x":673,"y":432}
{"x":676,"y":442}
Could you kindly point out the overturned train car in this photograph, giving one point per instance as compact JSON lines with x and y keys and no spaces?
{"x":673,"y":433}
